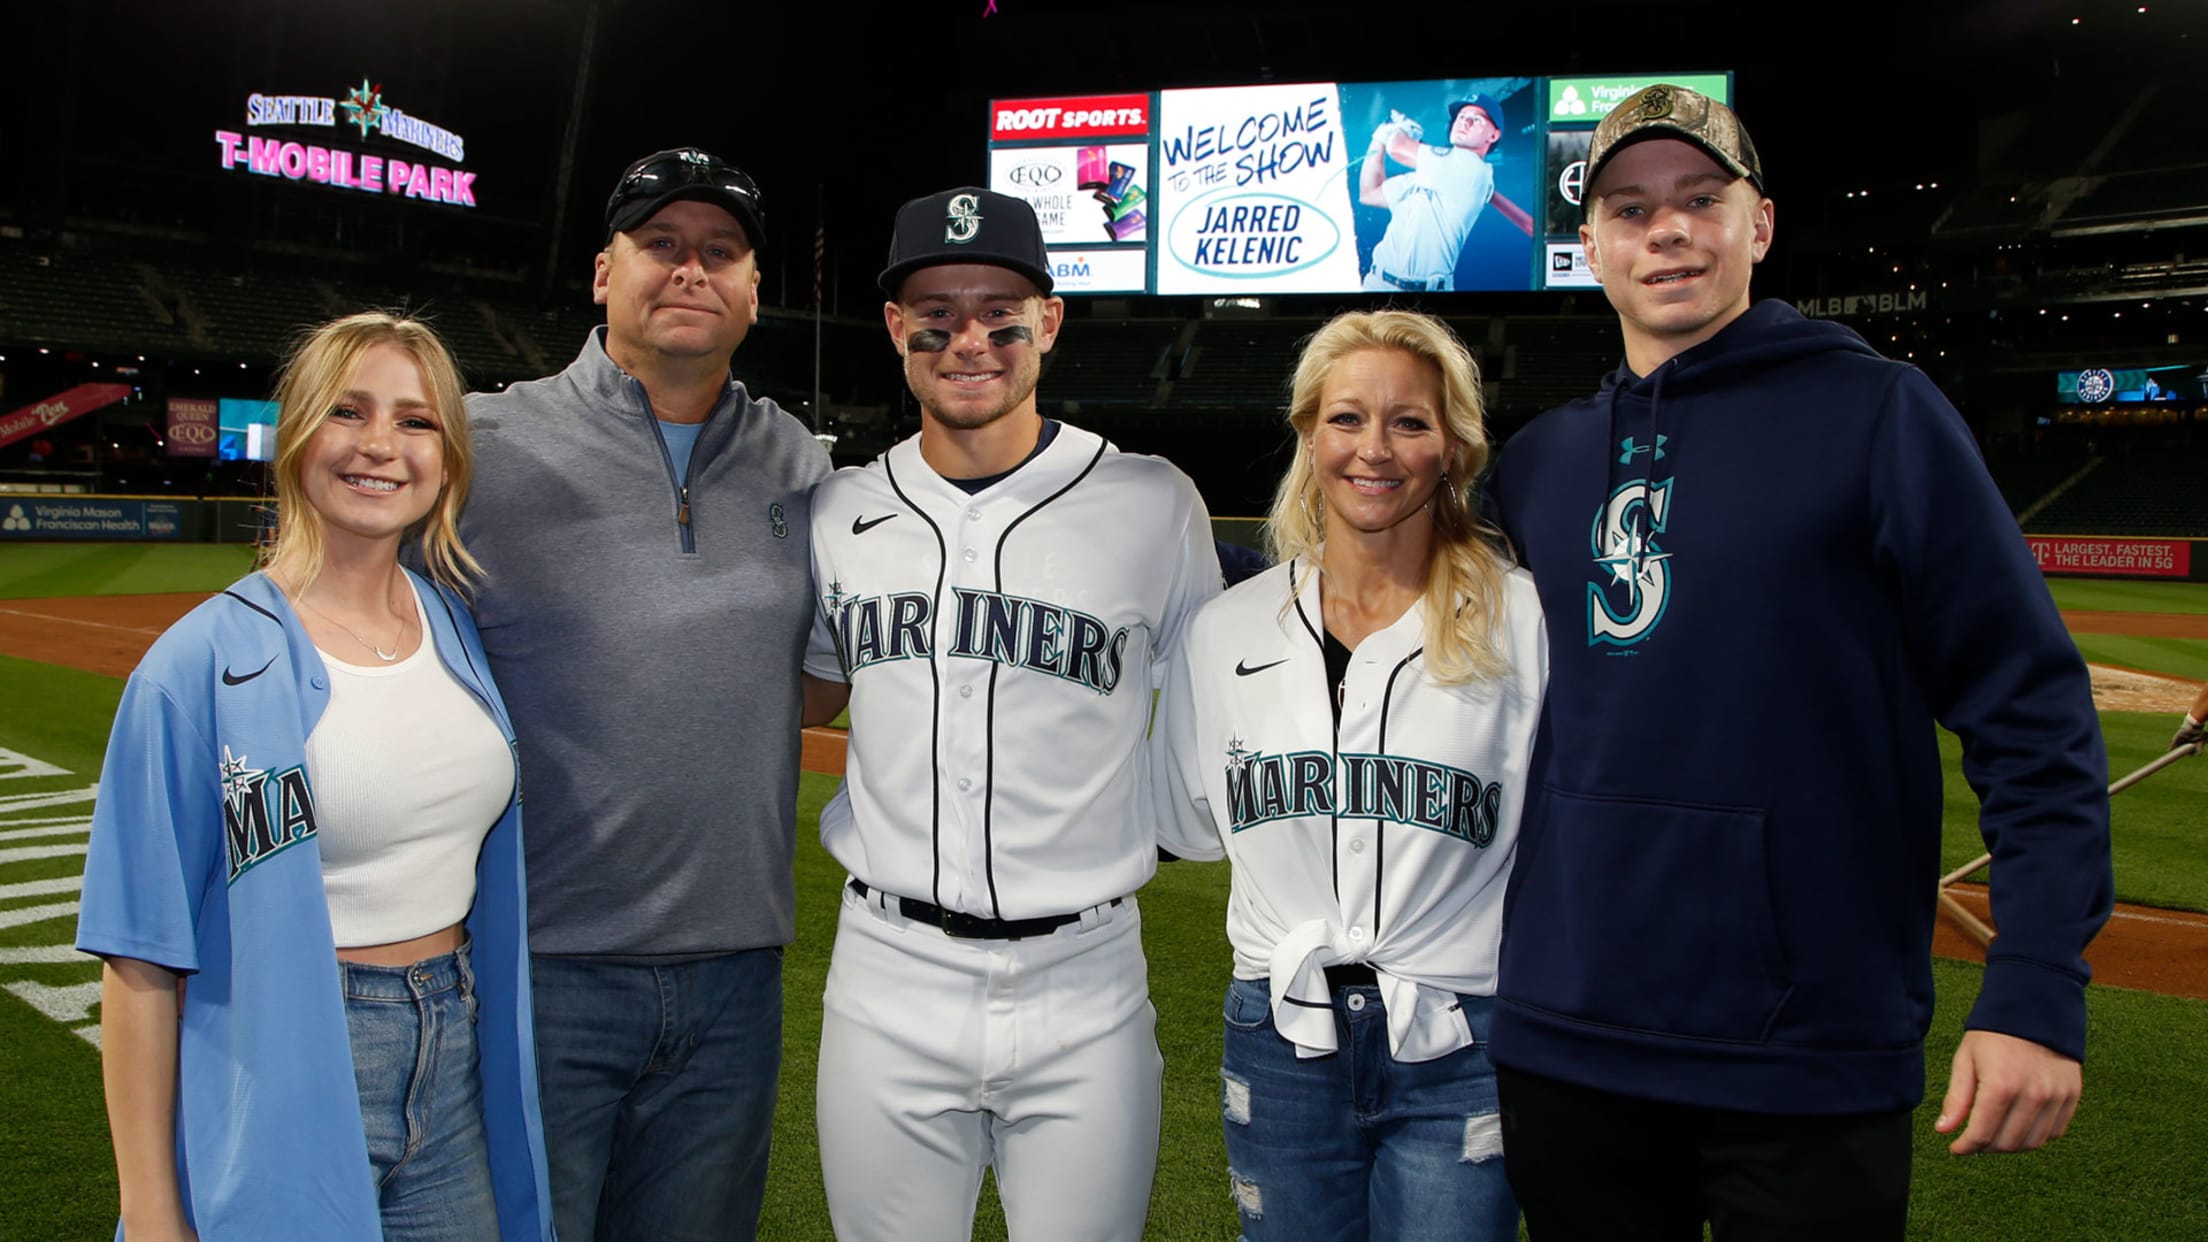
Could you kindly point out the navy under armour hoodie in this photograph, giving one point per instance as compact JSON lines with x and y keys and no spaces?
{"x":1768,"y":568}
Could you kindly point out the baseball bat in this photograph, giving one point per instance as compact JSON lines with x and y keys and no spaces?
{"x":2166,"y":759}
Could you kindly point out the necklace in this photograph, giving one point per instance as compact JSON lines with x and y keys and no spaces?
{"x":397,"y":643}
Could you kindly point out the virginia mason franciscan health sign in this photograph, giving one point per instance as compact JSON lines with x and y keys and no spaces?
{"x":364,"y":109}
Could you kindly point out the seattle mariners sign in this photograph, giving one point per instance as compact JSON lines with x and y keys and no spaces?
{"x":364,"y":109}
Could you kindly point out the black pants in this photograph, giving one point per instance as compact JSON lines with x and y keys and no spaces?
{"x":1591,"y":1165}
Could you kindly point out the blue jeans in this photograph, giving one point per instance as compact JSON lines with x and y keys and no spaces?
{"x":421,"y":1097}
{"x":1355,"y":1144}
{"x":658,"y":1085}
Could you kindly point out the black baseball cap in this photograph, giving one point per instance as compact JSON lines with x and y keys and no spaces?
{"x":668,"y":176}
{"x":966,"y":225}
{"x":1485,"y":103}
{"x":1666,"y":111}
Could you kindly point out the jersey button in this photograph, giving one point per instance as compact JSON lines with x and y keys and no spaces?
{"x":1357,"y":935}
{"x":965,"y":692}
{"x":973,"y":515}
{"x":972,"y":556}
{"x":1357,"y":846}
{"x":965,"y":783}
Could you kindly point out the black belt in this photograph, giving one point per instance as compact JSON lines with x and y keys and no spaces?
{"x":1354,"y":975}
{"x":974,"y":927}
{"x":1414,"y":286}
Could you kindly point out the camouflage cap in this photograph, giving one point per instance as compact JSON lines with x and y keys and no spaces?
{"x":1666,"y":111}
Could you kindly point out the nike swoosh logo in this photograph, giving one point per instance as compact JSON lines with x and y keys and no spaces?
{"x":860,"y":526}
{"x":232,"y":679}
{"x":1243,"y":669}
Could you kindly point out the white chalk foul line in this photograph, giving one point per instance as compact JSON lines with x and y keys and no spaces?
{"x":98,"y":625}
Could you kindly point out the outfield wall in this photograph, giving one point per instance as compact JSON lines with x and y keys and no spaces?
{"x":159,"y":519}
{"x":121,"y":519}
{"x":2100,"y":556}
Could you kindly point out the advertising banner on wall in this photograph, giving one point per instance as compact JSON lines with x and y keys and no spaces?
{"x":1083,"y":163}
{"x":57,"y":409}
{"x":192,"y":427}
{"x":42,"y":518}
{"x":2126,"y":558}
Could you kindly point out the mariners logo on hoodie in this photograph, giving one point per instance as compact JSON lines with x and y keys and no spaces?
{"x":1633,"y":575}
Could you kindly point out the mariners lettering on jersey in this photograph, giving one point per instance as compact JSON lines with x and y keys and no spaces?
{"x":1628,"y":595}
{"x":1002,"y":629}
{"x":1439,"y":798}
{"x":263,"y":813}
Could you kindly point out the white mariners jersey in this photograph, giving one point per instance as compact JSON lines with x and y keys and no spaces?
{"x":1002,"y":649}
{"x":1385,"y":840}
{"x":1431,"y":211}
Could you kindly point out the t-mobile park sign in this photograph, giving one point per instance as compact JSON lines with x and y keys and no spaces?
{"x":363,"y":108}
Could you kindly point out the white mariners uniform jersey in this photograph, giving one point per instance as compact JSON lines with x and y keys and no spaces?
{"x":1431,"y":211}
{"x":1001,"y":650}
{"x":1385,"y":840}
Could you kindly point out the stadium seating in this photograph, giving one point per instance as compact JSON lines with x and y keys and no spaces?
{"x":2151,"y":492}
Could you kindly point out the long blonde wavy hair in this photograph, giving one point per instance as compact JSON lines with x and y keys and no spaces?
{"x":1464,"y":572}
{"x":315,"y":376}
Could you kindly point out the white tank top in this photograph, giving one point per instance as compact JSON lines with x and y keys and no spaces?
{"x":410,"y":773}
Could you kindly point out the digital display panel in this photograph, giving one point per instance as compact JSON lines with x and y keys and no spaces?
{"x":245,"y":430}
{"x":2132,"y":385}
{"x":1427,"y":186}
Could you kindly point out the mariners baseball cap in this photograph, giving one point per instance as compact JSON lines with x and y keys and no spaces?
{"x":664,"y":177}
{"x":1485,"y":103}
{"x":966,"y":225}
{"x":1665,"y":111}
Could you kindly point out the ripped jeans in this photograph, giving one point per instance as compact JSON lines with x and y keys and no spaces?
{"x":1355,"y":1144}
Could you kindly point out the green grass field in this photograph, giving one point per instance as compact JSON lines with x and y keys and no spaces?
{"x":2127,"y":595}
{"x":30,"y":570}
{"x":2130,"y":1168}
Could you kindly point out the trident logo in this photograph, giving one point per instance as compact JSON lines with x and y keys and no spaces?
{"x":963,"y":223}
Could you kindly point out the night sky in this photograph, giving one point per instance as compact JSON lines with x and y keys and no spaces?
{"x":842,"y":110}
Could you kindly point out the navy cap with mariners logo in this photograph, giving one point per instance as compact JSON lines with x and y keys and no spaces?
{"x":1485,"y":103}
{"x":1666,"y":111}
{"x":966,"y":225}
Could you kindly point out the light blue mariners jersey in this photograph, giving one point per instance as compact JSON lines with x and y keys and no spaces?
{"x":204,"y":860}
{"x":1001,"y":649}
{"x":1431,"y":211}
{"x":1384,"y":838}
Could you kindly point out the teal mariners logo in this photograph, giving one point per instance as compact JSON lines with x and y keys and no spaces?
{"x":778,"y":521}
{"x":1262,"y":788}
{"x":1626,"y":600}
{"x":1003,"y":629}
{"x":263,"y":813}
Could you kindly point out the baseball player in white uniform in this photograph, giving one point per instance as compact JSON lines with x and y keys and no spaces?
{"x":1433,"y":207}
{"x":1365,"y":773}
{"x":998,"y":593}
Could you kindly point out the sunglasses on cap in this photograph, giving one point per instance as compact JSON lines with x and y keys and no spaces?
{"x":685,"y":173}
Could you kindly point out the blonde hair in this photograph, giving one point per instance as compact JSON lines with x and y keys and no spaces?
{"x":320,"y":367}
{"x":1465,"y":566}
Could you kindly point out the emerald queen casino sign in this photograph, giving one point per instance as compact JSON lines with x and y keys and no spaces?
{"x":363,"y":108}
